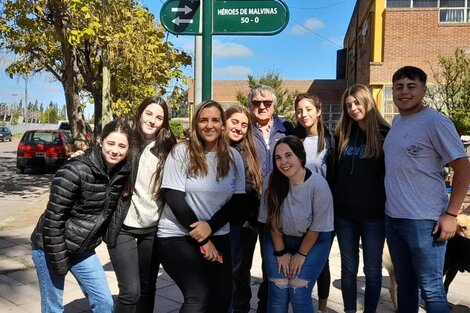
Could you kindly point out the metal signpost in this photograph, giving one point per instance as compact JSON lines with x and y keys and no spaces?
{"x":222,"y":17}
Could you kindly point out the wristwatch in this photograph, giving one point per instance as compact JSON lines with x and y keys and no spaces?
{"x":280,"y":252}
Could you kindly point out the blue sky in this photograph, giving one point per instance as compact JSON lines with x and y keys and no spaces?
{"x":305,"y":49}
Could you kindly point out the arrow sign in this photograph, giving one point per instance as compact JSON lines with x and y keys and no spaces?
{"x":179,"y":21}
{"x":181,"y":17}
{"x":186,"y":9}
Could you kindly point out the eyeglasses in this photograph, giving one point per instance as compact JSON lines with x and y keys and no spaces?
{"x":257,"y":103}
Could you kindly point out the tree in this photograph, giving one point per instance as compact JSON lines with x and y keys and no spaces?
{"x":451,"y":95}
{"x":285,"y":98}
{"x":66,"y":38}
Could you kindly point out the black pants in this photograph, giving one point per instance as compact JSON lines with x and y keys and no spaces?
{"x":206,"y":286}
{"x":135,"y":262}
{"x":241,"y":268}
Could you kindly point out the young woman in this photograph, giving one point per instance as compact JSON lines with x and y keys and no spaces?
{"x":203,"y":181}
{"x":359,"y":195}
{"x":298,"y":209}
{"x":244,"y":219}
{"x":131,"y":233}
{"x":319,"y":147}
{"x":84,"y":193}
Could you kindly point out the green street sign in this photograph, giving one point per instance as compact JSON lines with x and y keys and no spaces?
{"x":230,"y":17}
{"x":249,"y":17}
{"x":181,"y":17}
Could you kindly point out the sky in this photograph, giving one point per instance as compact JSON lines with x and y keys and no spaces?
{"x":305,"y":49}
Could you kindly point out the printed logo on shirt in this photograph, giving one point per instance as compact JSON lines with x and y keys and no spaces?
{"x":413,"y":151}
{"x":354,"y":151}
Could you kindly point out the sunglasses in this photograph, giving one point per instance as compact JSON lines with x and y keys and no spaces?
{"x":257,"y":103}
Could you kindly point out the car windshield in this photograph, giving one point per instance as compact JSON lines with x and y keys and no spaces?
{"x":43,"y":138}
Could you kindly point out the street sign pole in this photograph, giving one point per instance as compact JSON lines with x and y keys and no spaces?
{"x":206,"y":49}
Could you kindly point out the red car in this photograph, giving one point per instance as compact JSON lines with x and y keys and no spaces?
{"x":44,"y":149}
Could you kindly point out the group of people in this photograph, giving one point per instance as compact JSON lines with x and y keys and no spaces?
{"x":197,"y":207}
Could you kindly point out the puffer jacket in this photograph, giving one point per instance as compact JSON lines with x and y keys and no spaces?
{"x":82,"y":198}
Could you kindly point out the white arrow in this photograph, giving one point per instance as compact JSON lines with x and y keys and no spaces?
{"x":186,"y":9}
{"x":179,"y":21}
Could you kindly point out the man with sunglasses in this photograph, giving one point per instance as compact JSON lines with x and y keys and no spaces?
{"x":267,"y":129}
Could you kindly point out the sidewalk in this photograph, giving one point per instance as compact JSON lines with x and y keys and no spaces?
{"x":19,"y":288}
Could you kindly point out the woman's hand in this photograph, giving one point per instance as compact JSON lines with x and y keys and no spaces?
{"x":283,"y":264}
{"x":210,"y":252}
{"x":201,"y":231}
{"x":296,"y":263}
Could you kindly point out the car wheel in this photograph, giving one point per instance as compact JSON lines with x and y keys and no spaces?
{"x":11,"y":138}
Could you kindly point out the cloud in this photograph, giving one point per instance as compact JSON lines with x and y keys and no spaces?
{"x":310,"y":24}
{"x":231,"y":72}
{"x":230,"y":50}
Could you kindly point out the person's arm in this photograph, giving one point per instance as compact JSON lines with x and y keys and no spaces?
{"x":460,"y":182}
{"x":64,"y":189}
{"x":298,"y":259}
{"x":180,"y":207}
{"x":283,"y":258}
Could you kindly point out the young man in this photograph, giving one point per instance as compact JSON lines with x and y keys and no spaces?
{"x":419,"y":216}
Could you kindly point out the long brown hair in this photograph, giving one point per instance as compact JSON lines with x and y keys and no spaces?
{"x":373,"y":122}
{"x":248,"y":146}
{"x":197,"y":159}
{"x":278,"y":186}
{"x":300,"y":130}
{"x":164,"y":141}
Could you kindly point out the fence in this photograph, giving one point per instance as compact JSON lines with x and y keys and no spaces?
{"x":20,"y":128}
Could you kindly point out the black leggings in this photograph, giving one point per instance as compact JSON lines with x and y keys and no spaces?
{"x":206,"y":285}
{"x":136,"y":264}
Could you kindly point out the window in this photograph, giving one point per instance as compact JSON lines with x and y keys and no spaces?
{"x":389,"y":108}
{"x":331,"y":114}
{"x":398,"y":3}
{"x":454,"y":11}
{"x":424,"y":3}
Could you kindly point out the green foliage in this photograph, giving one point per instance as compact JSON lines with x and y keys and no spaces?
{"x":452,"y":93}
{"x":68,"y":39}
{"x":177,"y":128}
{"x":285,"y":98}
{"x":15,"y":116}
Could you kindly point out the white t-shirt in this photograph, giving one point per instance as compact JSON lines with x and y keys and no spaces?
{"x":205,"y":195}
{"x":308,"y":206}
{"x":316,"y":161}
{"x":416,"y":150}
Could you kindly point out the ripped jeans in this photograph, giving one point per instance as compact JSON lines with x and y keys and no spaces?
{"x":297,"y":291}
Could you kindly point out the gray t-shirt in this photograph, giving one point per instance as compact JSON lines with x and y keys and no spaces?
{"x":308,"y":206}
{"x":205,"y":195}
{"x":316,"y":161}
{"x":144,"y":210}
{"x":416,"y":150}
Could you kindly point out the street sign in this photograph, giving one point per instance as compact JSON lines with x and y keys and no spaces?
{"x":181,"y":17}
{"x":249,"y":17}
{"x":230,"y":17}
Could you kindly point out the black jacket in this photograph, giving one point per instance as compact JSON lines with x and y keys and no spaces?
{"x":82,"y":198}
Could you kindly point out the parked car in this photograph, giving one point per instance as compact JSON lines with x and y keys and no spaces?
{"x":44,"y":149}
{"x":88,"y":133}
{"x":5,"y":134}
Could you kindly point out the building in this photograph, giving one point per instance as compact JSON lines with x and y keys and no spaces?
{"x":384,"y":35}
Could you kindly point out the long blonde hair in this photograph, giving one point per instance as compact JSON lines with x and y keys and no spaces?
{"x":248,"y":146}
{"x":373,"y":122}
{"x":197,"y":160}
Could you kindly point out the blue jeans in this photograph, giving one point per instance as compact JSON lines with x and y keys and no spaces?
{"x":418,"y":260}
{"x":89,"y":273}
{"x":372,"y":236}
{"x":280,"y":289}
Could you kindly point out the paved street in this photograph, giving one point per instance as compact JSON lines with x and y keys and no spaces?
{"x":23,"y":197}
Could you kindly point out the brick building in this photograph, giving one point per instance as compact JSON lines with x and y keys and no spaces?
{"x":384,"y":35}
